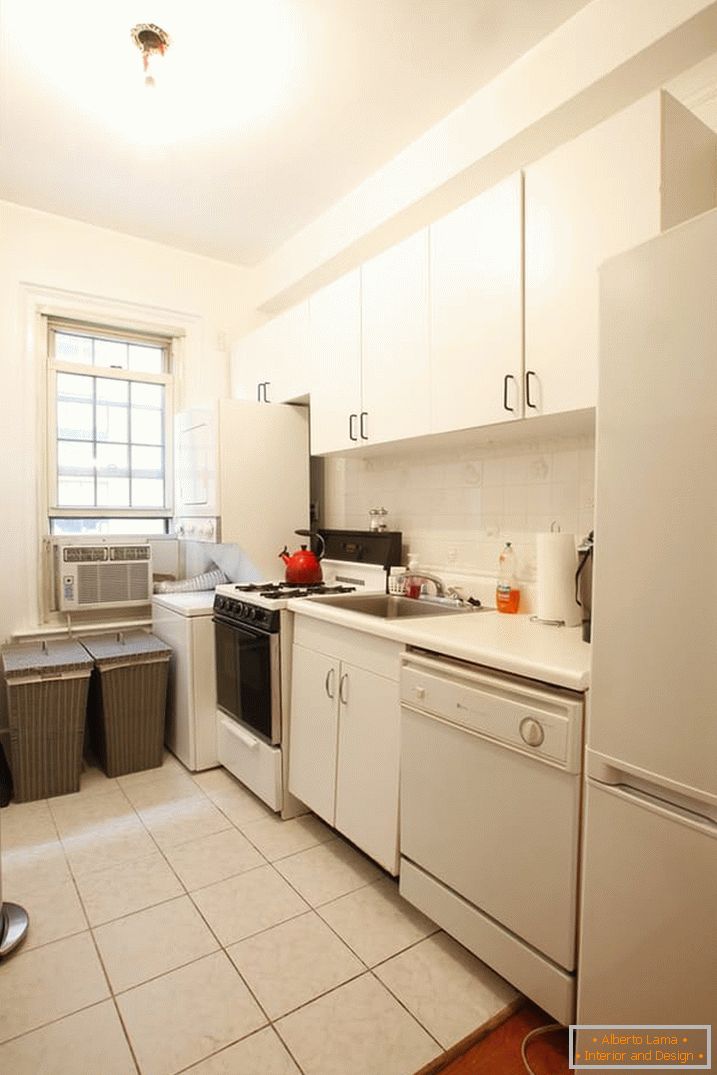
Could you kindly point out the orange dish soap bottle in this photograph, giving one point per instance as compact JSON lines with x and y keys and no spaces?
{"x":507,"y":594}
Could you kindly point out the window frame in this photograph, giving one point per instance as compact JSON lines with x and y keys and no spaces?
{"x":166,"y":379}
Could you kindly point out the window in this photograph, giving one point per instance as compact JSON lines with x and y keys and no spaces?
{"x":109,"y":424}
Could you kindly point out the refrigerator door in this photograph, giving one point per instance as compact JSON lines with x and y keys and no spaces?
{"x":649,"y":929}
{"x":655,"y":587}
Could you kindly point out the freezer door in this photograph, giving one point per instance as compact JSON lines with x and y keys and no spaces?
{"x":655,"y":589}
{"x":648,"y":931}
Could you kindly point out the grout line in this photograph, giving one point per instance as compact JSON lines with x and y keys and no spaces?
{"x":408,"y":1010}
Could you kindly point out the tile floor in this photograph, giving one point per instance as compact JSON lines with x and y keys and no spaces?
{"x":178,"y":925}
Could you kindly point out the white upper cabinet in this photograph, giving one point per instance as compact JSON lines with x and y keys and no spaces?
{"x":395,"y":337}
{"x":476,"y":310}
{"x":617,"y":185}
{"x":336,"y":365}
{"x":271,"y":364}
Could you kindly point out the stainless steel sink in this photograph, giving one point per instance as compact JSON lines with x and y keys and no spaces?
{"x":391,"y":607}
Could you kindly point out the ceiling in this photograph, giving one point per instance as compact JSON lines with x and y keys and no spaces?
{"x":264,"y":114}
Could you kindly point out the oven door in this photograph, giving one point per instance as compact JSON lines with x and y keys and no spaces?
{"x":248,"y":680}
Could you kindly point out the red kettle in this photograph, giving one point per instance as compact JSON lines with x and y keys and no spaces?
{"x":303,"y":567}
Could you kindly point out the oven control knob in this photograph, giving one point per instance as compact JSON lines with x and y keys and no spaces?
{"x":531,"y":732}
{"x":251,"y":612}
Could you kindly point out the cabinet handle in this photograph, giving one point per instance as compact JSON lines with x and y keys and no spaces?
{"x":258,"y":391}
{"x":352,"y":434}
{"x":266,"y":385}
{"x":329,"y":678}
{"x":508,"y":377}
{"x":362,"y":425}
{"x":343,"y":696}
{"x":528,"y":375}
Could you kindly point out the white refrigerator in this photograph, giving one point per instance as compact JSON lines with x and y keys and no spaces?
{"x":648,"y":937}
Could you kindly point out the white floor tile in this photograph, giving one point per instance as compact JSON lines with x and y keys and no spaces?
{"x":80,"y":814}
{"x":168,"y":786}
{"x":187,"y":819}
{"x":246,"y":904}
{"x":27,"y":825}
{"x":450,"y":992}
{"x":88,"y":1042}
{"x":260,"y":1054}
{"x":328,"y":871}
{"x":186,"y":1015}
{"x":55,"y":911}
{"x":358,"y":1029}
{"x":213,"y":858}
{"x":46,"y":983}
{"x":37,"y":866}
{"x":292,"y":963}
{"x":121,"y":890}
{"x":152,"y":942}
{"x":376,"y":922}
{"x":148,"y":776}
{"x":276,"y":838}
{"x":108,"y":844}
{"x":232,"y":798}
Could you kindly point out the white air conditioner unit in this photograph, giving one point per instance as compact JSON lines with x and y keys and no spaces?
{"x":101,"y":574}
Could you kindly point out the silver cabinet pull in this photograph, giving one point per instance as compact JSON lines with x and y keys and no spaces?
{"x":343,"y":696}
{"x":329,"y":679}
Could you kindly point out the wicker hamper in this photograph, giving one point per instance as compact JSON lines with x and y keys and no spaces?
{"x":128,"y":696}
{"x":46,"y":690}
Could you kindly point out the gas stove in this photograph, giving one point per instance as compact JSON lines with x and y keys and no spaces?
{"x":243,"y":600}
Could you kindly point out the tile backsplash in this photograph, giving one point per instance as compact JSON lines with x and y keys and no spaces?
{"x":458,"y":506}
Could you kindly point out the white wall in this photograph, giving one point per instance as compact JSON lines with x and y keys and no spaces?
{"x":51,"y":252}
{"x":457,"y":506}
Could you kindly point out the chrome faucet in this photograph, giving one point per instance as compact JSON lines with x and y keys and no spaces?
{"x":438,"y":583}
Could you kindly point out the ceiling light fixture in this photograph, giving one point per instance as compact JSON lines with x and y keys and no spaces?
{"x":151,"y":41}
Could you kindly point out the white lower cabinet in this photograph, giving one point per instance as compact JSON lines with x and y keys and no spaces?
{"x":344,"y":743}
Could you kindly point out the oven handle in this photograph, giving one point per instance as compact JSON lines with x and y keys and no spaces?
{"x":243,"y":737}
{"x":251,"y":629}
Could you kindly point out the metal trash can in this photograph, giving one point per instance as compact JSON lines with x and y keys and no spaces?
{"x":46,"y":692}
{"x":128,"y":699}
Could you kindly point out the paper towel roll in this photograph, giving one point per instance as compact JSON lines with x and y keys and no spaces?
{"x":557,"y":562}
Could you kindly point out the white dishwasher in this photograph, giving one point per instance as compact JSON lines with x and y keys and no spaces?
{"x":490,"y":816}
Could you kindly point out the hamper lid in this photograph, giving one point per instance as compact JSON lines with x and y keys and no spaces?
{"x":137,"y":645}
{"x":44,"y":658}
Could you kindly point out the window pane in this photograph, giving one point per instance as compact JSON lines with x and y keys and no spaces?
{"x":147,"y":395}
{"x":110,"y":391}
{"x":74,"y":421}
{"x":147,"y":462}
{"x":147,"y":427}
{"x":75,"y":492}
{"x":136,"y":527}
{"x":73,"y":348}
{"x":147,"y":493}
{"x":112,"y":412}
{"x":75,"y":458}
{"x":111,"y":353}
{"x":146,"y":359}
{"x":112,"y":492}
{"x":74,"y":387}
{"x":112,"y":460}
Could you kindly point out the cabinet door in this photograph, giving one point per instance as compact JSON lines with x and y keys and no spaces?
{"x":476,"y":311}
{"x":286,"y":350}
{"x":395,"y":341}
{"x":335,"y":314}
{"x":589,"y":200}
{"x":274,"y":356}
{"x":314,"y":730}
{"x":367,"y":776}
{"x":247,"y":365}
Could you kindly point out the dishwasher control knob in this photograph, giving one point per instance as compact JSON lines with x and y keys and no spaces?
{"x":531,"y":732}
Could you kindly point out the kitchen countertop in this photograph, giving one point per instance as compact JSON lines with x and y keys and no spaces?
{"x":510,"y":643}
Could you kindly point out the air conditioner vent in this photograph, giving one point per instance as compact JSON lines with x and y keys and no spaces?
{"x":83,"y":554}
{"x":102,"y":576}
